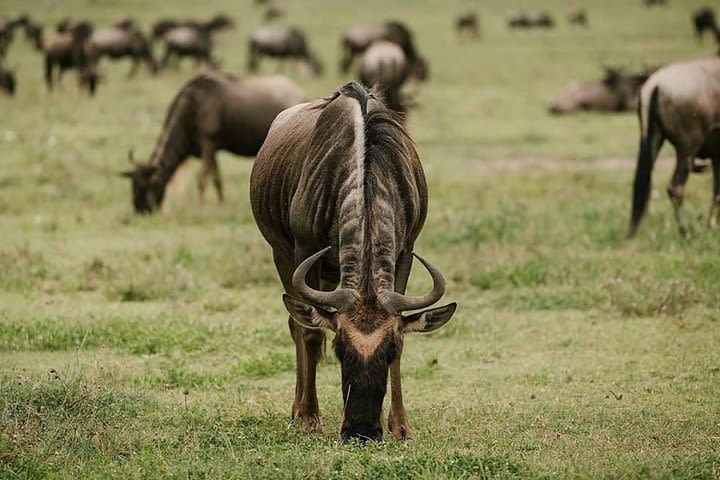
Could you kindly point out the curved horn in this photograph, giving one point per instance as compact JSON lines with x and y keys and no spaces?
{"x":342,"y":299}
{"x":397,"y":302}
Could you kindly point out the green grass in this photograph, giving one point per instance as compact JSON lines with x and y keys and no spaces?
{"x":157,"y":347}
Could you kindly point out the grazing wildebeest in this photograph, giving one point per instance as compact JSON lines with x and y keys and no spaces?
{"x":70,"y":49}
{"x":281,"y":42}
{"x":117,"y":43}
{"x":680,"y":103}
{"x":467,"y":22}
{"x":704,"y":19}
{"x":185,"y":41}
{"x":578,"y":16}
{"x":525,"y":20}
{"x":7,"y":79}
{"x":384,"y":64}
{"x":356,"y":40}
{"x":212,"y":112}
{"x":338,"y":192}
{"x":617,"y":92}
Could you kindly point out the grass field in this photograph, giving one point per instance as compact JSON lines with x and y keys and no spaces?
{"x":157,"y":347}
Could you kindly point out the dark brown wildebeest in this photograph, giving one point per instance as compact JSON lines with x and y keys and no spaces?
{"x":617,"y":92}
{"x":117,"y":43}
{"x":704,"y":19}
{"x":384,"y":65}
{"x":126,"y":23}
{"x":70,"y":50}
{"x":339,"y":193}
{"x":281,"y":42}
{"x":467,"y":22}
{"x":212,"y":112}
{"x":578,"y":16}
{"x":356,"y":40}
{"x":526,"y":20}
{"x":680,"y":103}
{"x":7,"y":79}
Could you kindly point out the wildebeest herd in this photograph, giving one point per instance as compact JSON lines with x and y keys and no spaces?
{"x":337,"y":188}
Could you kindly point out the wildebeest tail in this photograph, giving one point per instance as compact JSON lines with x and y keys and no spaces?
{"x":649,"y":130}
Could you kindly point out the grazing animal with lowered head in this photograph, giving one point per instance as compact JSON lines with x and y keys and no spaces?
{"x":355,"y":40}
{"x":160,"y":27}
{"x":212,"y":112}
{"x":339,"y":193}
{"x":680,"y":103}
{"x":467,"y":22}
{"x":70,"y":50}
{"x":704,"y":20}
{"x":385,"y":67}
{"x":284,"y":43}
{"x":117,"y":43}
{"x":193,"y":38}
{"x":7,"y":30}
{"x":617,"y":92}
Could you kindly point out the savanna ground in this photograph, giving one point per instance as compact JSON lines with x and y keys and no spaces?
{"x":148,"y":347}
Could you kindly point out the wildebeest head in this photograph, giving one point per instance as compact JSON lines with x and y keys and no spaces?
{"x":369,"y":334}
{"x":7,"y":81}
{"x":147,"y":189}
{"x":89,"y":78}
{"x":34,"y":34}
{"x":419,"y":69}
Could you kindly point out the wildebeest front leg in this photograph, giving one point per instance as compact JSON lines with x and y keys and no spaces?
{"x":676,"y":188}
{"x":209,"y":167}
{"x":398,"y":424}
{"x":715,"y":203}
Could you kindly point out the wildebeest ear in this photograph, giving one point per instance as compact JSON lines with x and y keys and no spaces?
{"x":309,"y":316}
{"x":127,"y":173}
{"x":428,"y":320}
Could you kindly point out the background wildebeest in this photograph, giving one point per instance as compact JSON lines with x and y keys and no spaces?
{"x":341,"y":177}
{"x":116,"y":42}
{"x":467,"y":22}
{"x":191,"y":38}
{"x":160,"y":27}
{"x":704,"y":20}
{"x":355,"y":40}
{"x":212,"y":112}
{"x":528,"y":20}
{"x":281,"y":42}
{"x":617,"y":92}
{"x":384,"y":65}
{"x":680,"y":103}
{"x":70,"y":49}
{"x":578,"y":16}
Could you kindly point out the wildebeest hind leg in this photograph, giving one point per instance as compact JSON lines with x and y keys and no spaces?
{"x":398,"y":424}
{"x":676,"y":188}
{"x":715,"y":203}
